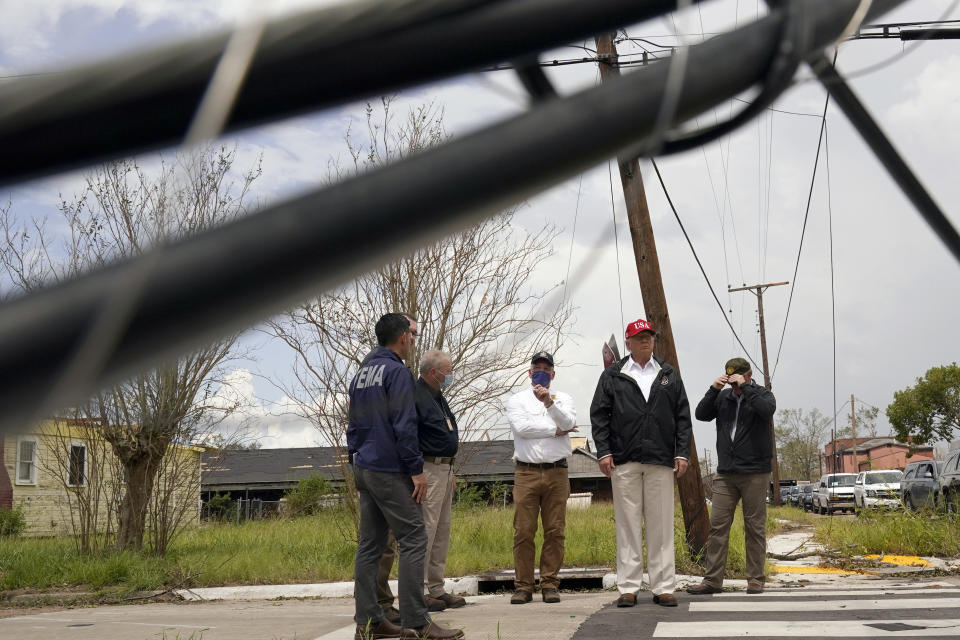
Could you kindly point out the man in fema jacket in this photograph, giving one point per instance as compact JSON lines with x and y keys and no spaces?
{"x":641,"y":425}
{"x":384,"y":449}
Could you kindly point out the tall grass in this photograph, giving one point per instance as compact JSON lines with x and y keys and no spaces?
{"x":921,"y":533}
{"x":317,"y":548}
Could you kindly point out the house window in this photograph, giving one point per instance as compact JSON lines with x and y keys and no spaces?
{"x":77,"y":472}
{"x":26,"y":460}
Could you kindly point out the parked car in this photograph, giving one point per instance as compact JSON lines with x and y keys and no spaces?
{"x":785,"y":493}
{"x":877,"y":489}
{"x":949,"y":482}
{"x":805,"y":501}
{"x":919,"y":486}
{"x":834,"y":493}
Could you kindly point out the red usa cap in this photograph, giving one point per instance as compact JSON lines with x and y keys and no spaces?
{"x":637,"y":326}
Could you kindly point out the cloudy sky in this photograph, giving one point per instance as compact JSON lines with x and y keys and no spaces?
{"x":742,"y":199}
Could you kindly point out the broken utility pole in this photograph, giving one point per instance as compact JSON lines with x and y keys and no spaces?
{"x":757,"y":290}
{"x":690,"y":485}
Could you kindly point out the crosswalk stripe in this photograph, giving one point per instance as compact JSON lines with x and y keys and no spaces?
{"x":826,"y":605}
{"x":800,"y":593}
{"x":807,"y":628}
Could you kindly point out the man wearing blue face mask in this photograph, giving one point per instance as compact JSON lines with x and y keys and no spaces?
{"x":437,"y":428}
{"x":541,"y":419}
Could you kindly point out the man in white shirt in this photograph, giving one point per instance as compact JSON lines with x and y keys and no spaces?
{"x":541,"y":419}
{"x":640,"y":420}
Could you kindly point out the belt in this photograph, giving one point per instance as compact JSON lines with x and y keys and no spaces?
{"x":543,"y":465}
{"x":438,"y":460}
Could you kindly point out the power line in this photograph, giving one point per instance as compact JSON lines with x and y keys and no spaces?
{"x":803,"y":231}
{"x":616,"y":243}
{"x":700,"y":264}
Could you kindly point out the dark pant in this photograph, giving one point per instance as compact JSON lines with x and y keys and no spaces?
{"x":543,"y":493}
{"x":384,"y":594}
{"x":728,"y":489}
{"x":385,"y":505}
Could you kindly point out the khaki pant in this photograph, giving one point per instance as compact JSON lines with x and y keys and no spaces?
{"x":543,"y":493}
{"x":728,"y":489}
{"x":643,"y":496}
{"x":436,"y":518}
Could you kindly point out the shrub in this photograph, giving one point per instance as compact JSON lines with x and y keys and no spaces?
{"x":222,"y":507}
{"x":307,"y":497}
{"x":469,"y":494}
{"x":12,"y":521}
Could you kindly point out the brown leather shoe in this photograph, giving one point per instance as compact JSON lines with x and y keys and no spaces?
{"x":550,"y":595}
{"x":382,"y":629}
{"x":434,"y":604}
{"x":754,"y":586}
{"x":703,"y":589}
{"x":431,"y":631}
{"x":665,"y":600}
{"x":627,"y":600}
{"x":392,"y":614}
{"x":452,"y":601}
{"x":521,"y":597}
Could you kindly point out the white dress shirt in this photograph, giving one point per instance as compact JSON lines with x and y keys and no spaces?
{"x":534,"y":426}
{"x":643,"y":374}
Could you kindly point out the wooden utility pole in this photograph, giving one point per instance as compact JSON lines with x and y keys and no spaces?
{"x":853,"y":434}
{"x":757,"y":290}
{"x":692,"y":499}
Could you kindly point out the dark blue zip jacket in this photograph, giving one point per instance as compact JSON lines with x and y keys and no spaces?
{"x":382,"y":433}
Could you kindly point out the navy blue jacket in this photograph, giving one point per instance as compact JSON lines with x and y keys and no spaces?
{"x":382,"y":433}
{"x":437,"y":438}
{"x":753,"y":448}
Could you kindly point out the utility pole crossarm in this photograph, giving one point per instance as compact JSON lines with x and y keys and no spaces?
{"x":757,"y":287}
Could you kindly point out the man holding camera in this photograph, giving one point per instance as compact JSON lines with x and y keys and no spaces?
{"x":744,"y":447}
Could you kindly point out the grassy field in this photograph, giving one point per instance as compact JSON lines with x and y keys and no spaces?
{"x":900,"y":532}
{"x":310,"y":549}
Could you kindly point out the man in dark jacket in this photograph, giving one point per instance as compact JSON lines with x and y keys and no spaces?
{"x":384,"y":450}
{"x":641,"y":425}
{"x":744,"y":448}
{"x":439,"y":440}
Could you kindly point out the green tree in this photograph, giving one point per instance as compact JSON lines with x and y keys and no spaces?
{"x":306,"y":498}
{"x":929,"y":410}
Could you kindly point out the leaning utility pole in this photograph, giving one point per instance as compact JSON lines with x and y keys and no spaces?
{"x":757,"y":290}
{"x":690,"y":485}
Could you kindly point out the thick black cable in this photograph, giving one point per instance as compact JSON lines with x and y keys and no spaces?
{"x":700,"y":264}
{"x":227,"y":279}
{"x":311,"y":60}
{"x":881,"y":146}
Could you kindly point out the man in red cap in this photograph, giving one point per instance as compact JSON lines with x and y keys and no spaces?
{"x":641,"y":425}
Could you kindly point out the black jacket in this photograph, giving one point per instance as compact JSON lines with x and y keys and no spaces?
{"x":752,"y":447}
{"x":633,"y":429}
{"x":437,"y":438}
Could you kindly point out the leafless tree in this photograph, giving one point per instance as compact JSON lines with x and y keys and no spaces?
{"x":799,"y":438}
{"x":472,"y":293}
{"x":122,"y":211}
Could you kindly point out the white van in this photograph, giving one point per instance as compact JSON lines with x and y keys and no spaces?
{"x":834,"y":493}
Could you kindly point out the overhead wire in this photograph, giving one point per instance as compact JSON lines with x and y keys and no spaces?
{"x":703,"y":271}
{"x":616,"y":243}
{"x":833,"y":297}
{"x":803,"y":230}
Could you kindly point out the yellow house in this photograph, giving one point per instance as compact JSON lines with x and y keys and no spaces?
{"x":65,"y":475}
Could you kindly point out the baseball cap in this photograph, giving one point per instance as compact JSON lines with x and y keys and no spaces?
{"x":638,"y":326}
{"x":737,"y":365}
{"x":546,"y":356}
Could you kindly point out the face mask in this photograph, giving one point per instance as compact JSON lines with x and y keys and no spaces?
{"x":541,"y":378}
{"x":447,"y":380}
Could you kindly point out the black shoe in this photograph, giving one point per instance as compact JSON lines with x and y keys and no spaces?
{"x":521,"y":597}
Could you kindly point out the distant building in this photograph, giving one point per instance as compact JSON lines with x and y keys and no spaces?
{"x":266,"y":474}
{"x":872,"y":453}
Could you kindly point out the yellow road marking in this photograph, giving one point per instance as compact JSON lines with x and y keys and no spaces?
{"x":908,"y":561}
